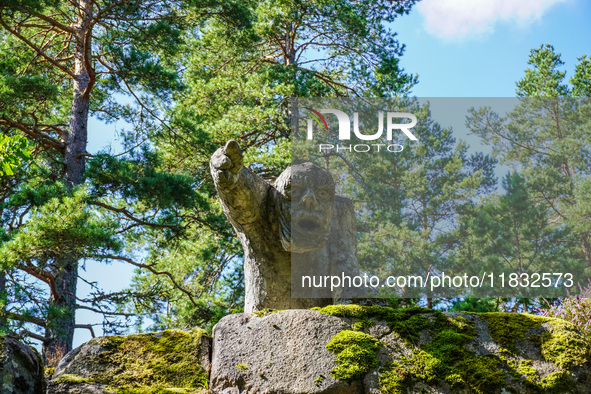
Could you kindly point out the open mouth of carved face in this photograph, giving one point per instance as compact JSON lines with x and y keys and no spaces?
{"x":308,"y":225}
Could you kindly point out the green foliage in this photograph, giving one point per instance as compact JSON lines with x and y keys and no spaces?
{"x":513,"y":233}
{"x":204,"y":259}
{"x":26,"y":90}
{"x":538,"y":138}
{"x":139,"y":179}
{"x":544,"y":80}
{"x":407,"y":204}
{"x":475,"y":305}
{"x":239,"y":81}
{"x":580,"y":81}
{"x":61,"y":228}
{"x":12,"y":151}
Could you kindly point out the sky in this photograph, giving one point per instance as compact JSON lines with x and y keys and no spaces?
{"x":459,"y":48}
{"x":479,"y":48}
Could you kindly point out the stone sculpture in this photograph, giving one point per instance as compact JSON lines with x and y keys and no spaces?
{"x":296,"y":227}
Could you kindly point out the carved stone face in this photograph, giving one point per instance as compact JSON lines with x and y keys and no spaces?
{"x":309,"y":203}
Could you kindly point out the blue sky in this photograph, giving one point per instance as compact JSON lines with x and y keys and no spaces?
{"x":459,"y":48}
{"x":481,"y":52}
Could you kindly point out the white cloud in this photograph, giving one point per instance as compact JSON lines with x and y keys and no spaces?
{"x":464,"y":19}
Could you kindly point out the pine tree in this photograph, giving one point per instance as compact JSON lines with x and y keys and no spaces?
{"x":63,"y":62}
{"x":547,"y":137}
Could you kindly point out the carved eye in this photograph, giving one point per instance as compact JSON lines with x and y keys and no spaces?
{"x":296,"y":193}
{"x":323,"y":194}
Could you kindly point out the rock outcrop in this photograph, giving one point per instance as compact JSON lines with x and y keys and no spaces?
{"x":171,"y":361}
{"x":21,"y":368}
{"x":338,"y":349}
{"x":354,"y":349}
{"x":282,"y":352}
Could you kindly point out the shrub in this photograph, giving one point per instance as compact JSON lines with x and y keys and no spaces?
{"x":575,"y":309}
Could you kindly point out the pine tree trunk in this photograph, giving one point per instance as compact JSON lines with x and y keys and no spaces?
{"x":62,"y":314}
{"x":60,"y":329}
{"x":3,"y":321}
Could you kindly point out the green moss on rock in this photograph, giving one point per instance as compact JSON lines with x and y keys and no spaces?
{"x":159,"y":390}
{"x":407,"y":322}
{"x":455,"y":380}
{"x":72,"y":379}
{"x":563,"y":345}
{"x":446,"y":356}
{"x":429,"y":362}
{"x":362,"y":325}
{"x":49,"y":372}
{"x":482,"y":374}
{"x":318,"y":381}
{"x":377,"y":312}
{"x":356,"y":354}
{"x":157,"y":363}
{"x":509,"y":328}
{"x":265,"y":312}
{"x":556,"y":382}
{"x":392,"y":377}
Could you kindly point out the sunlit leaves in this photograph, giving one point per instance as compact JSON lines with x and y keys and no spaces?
{"x":12,"y":151}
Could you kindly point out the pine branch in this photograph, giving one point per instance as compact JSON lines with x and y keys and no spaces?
{"x":36,"y":49}
{"x":102,"y":312}
{"x":30,"y":334}
{"x":130,"y":216}
{"x":24,"y":318}
{"x":43,"y":276}
{"x":88,"y":327}
{"x":33,"y":132}
{"x":152,"y":270}
{"x":49,"y":20}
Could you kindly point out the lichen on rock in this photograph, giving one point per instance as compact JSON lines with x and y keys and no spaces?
{"x":21,"y":368}
{"x":171,"y":361}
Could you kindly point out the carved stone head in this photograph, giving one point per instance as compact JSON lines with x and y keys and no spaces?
{"x":306,"y":211}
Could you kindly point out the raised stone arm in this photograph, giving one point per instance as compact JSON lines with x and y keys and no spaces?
{"x":290,"y":231}
{"x":241,"y":191}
